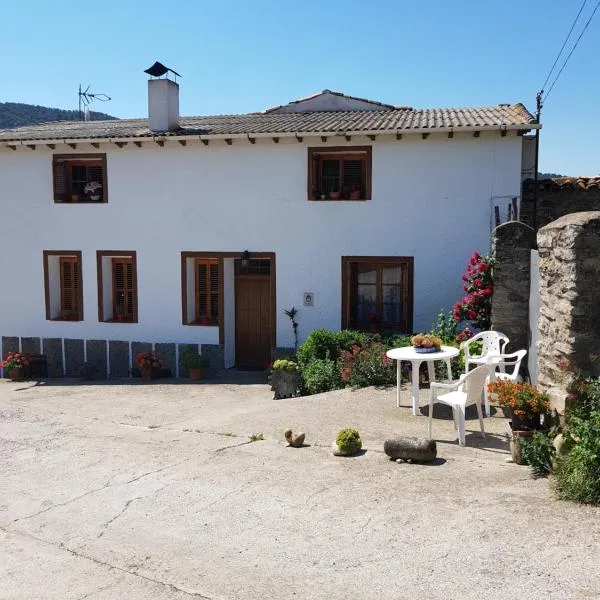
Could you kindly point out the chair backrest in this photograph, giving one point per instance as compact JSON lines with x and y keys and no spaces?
{"x":474,"y":381}
{"x":493,"y":342}
{"x":502,"y":361}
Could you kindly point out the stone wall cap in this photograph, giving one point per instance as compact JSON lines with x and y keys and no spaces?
{"x":578,"y":219}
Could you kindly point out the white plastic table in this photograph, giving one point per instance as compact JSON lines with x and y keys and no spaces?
{"x":416,"y":358}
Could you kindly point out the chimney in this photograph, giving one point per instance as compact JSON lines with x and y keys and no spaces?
{"x":163,"y":99}
{"x":163,"y":105}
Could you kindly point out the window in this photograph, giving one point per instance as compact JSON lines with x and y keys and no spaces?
{"x":207,"y":291}
{"x":201,"y":281}
{"x":117,"y":286}
{"x":63,"y":285}
{"x":80,"y":178}
{"x":377,"y":293}
{"x":342,"y":173}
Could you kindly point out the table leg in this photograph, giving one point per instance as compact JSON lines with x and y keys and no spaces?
{"x":449,"y":367}
{"x":431,"y":371}
{"x":415,"y":386}
{"x":398,"y":381}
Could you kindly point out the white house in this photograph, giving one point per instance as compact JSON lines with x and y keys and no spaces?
{"x":203,"y":230}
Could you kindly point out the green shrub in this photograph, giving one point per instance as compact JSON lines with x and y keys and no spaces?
{"x":322,"y":344}
{"x":366,"y":364}
{"x":576,"y":476}
{"x":193,"y":360}
{"x":348,"y":441}
{"x":538,"y":452}
{"x":321,"y":375}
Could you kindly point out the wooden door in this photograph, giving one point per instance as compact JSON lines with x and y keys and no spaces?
{"x":252,"y":321}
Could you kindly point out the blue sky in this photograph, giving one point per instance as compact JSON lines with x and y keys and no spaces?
{"x":239,"y":56}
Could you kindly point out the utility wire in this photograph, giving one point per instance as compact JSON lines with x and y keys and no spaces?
{"x":573,"y":49}
{"x":564,"y":44}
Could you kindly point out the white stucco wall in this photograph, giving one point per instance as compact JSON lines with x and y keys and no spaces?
{"x":430,"y":200}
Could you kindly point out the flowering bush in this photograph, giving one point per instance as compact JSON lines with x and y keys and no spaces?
{"x":522,"y":398}
{"x":476,"y":306}
{"x":367,"y":364}
{"x":92,"y":187}
{"x":427,"y":340}
{"x":16,"y":360}
{"x":148,"y":360}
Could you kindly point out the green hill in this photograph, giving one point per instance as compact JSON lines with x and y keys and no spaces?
{"x":15,"y":114}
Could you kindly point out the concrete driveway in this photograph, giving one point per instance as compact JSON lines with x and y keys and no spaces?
{"x":155,"y":491}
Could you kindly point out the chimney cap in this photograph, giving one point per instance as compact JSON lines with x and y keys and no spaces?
{"x":158,"y":69}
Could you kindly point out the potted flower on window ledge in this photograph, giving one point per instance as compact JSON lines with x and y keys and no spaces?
{"x":334,"y":195}
{"x":355,"y":192}
{"x":15,"y":363}
{"x":67,"y":315}
{"x":149,"y":363}
{"x":195,"y":365}
{"x":92,"y":189}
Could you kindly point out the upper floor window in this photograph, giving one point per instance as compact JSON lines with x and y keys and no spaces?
{"x":80,"y":178}
{"x":342,"y":173}
{"x":63,"y":287}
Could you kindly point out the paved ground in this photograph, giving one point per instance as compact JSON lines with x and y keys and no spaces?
{"x":154,"y":491}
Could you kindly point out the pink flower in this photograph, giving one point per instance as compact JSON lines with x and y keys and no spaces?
{"x":472,"y":315}
{"x":483,"y":267}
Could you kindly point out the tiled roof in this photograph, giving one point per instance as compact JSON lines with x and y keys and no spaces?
{"x":569,"y":183}
{"x":514,"y":116}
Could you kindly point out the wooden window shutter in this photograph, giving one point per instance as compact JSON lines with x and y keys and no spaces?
{"x":124,"y":290}
{"x":69,"y":286}
{"x":207,"y":291}
{"x":59,"y":169}
{"x":316,"y":182}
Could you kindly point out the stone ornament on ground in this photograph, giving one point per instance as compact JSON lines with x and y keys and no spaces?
{"x":295,"y":440}
{"x":400,"y":448}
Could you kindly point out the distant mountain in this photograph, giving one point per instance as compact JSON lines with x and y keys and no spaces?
{"x":549,"y":175}
{"x":15,"y":114}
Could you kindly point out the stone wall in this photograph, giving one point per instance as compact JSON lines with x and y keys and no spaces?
{"x":569,"y":323}
{"x":558,"y":197}
{"x":112,"y":359}
{"x":511,"y":248}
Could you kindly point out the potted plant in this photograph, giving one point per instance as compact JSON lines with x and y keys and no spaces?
{"x":67,"y":315}
{"x":285,"y":379}
{"x":15,"y":363}
{"x":525,"y":402}
{"x":75,"y":197}
{"x":120,"y":318}
{"x":92,"y":189}
{"x":323,"y":196}
{"x":425,"y":343}
{"x":195,"y":364}
{"x":334,"y":195}
{"x":347,"y":443}
{"x":355,"y":192}
{"x":148,"y":363}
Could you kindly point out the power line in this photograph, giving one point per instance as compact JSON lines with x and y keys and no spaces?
{"x":573,"y":49}
{"x":564,"y":44}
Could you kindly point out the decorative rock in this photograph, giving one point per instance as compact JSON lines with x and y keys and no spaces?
{"x":410,"y":448}
{"x":295,"y":440}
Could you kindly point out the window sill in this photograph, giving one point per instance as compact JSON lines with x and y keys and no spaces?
{"x":81,"y":202}
{"x":198,"y":324}
{"x":338,"y":200}
{"x":120,"y":322}
{"x":59,"y":320}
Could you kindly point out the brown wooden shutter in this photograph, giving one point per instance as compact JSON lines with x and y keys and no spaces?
{"x":59,"y":169}
{"x":124,"y":289}
{"x":69,"y":286}
{"x":207,"y":291}
{"x":316,"y":183}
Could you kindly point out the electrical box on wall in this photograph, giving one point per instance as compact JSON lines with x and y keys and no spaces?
{"x":309,"y":299}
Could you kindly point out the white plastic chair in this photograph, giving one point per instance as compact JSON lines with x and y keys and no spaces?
{"x":503,"y":361}
{"x":460,"y":393}
{"x":494,"y":343}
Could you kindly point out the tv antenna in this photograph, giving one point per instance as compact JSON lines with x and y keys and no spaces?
{"x":86,"y":98}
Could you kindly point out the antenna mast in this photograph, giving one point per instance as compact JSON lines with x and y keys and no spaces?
{"x":86,"y":98}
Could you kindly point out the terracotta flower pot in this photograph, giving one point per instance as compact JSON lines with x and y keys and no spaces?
{"x":17,"y":374}
{"x":334,"y":195}
{"x":196,"y":374}
{"x":355,"y":195}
